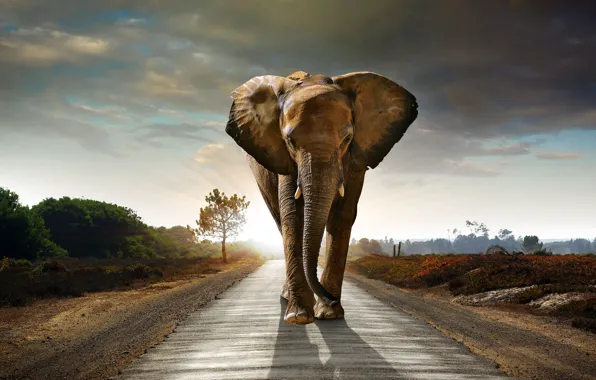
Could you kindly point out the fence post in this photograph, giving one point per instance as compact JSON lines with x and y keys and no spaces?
{"x":393,"y":250}
{"x":398,"y":248}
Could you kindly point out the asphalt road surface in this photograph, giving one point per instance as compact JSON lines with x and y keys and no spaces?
{"x":242,"y":335}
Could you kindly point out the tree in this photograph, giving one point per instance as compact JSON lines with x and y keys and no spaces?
{"x":222,"y":218}
{"x":531,"y":243}
{"x":86,"y":227}
{"x":22,"y":231}
{"x":504,"y":234}
{"x":477,"y":228}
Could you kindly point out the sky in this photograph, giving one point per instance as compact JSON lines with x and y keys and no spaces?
{"x":126,"y":102}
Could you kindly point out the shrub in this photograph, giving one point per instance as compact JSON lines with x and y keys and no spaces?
{"x":21,"y":263}
{"x":7,"y":262}
{"x":542,"y":252}
{"x":22,"y":232}
{"x":470,"y":274}
{"x":587,"y":324}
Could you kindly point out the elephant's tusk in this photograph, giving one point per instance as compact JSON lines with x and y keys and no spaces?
{"x":341,"y":189}
{"x":298,"y":193}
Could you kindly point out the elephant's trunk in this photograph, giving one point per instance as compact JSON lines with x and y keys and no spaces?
{"x":319,"y":181}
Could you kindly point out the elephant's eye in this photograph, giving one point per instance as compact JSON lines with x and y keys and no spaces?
{"x":346,"y":139}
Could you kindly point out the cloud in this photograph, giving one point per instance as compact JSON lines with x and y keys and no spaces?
{"x":206,"y":154}
{"x":558,"y":155}
{"x":161,"y":84}
{"x":509,"y":150}
{"x":57,"y":122}
{"x":41,"y":46}
{"x":159,"y":132}
{"x":424,"y":150}
{"x":482,"y":73}
{"x":223,"y":165}
{"x":470,"y":169}
{"x":131,"y":22}
{"x":110,"y":112}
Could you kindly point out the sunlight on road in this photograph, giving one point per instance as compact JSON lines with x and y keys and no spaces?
{"x":241,"y":335}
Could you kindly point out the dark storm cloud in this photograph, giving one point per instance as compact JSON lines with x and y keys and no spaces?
{"x":480,"y":70}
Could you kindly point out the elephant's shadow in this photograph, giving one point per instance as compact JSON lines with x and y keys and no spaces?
{"x":296,"y":357}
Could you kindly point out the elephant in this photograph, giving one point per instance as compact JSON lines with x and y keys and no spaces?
{"x":309,"y":140}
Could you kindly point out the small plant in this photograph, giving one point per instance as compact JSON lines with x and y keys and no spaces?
{"x":542,"y":252}
{"x":4,"y":263}
{"x":497,"y":249}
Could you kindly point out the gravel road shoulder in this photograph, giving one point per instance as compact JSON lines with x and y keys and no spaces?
{"x":94,"y":337}
{"x":522,"y":345}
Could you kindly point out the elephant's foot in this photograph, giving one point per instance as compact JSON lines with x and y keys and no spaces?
{"x":300,"y":309}
{"x":299,"y":314}
{"x":328,"y":311}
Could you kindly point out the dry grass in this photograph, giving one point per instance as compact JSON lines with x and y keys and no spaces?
{"x":20,"y":285}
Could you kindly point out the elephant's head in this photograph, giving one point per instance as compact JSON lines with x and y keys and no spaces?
{"x":308,"y":125}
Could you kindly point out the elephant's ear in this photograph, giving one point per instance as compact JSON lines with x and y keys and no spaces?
{"x":383,"y":111}
{"x":254,"y":121}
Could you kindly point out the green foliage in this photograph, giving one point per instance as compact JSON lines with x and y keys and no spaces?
{"x":208,"y":248}
{"x":542,"y":252}
{"x":531,"y":243}
{"x":92,"y":228}
{"x":22,"y":232}
{"x":184,"y":240}
{"x":504,"y":234}
{"x":223,"y":217}
{"x":89,"y":228}
{"x":365,"y":246}
{"x":7,"y":262}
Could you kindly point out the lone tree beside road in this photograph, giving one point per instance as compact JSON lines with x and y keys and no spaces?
{"x":222,"y":218}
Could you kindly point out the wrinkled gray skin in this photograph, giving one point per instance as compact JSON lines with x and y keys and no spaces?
{"x":310,"y":140}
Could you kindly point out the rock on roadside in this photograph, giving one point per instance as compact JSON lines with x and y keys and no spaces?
{"x":492,"y":297}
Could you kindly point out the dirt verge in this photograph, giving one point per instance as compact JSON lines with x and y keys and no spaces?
{"x":93,"y":337}
{"x":523,"y":345}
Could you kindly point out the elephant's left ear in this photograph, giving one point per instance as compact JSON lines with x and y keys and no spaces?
{"x":383,"y":111}
{"x":254,"y":121}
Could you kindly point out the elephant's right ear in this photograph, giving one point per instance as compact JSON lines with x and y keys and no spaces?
{"x":254,"y":121}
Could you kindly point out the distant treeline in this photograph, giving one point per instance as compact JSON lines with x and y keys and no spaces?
{"x":477,"y":240}
{"x":88,"y":228}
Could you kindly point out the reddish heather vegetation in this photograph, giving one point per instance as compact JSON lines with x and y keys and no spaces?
{"x":471,"y":274}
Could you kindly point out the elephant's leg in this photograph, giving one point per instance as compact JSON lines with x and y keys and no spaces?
{"x":301,"y":300}
{"x":268,"y":183}
{"x":339,"y":229}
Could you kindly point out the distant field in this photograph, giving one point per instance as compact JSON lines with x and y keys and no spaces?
{"x":567,"y":281}
{"x":22,"y":282}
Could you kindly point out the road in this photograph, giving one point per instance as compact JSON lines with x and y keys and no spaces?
{"x":241,"y":335}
